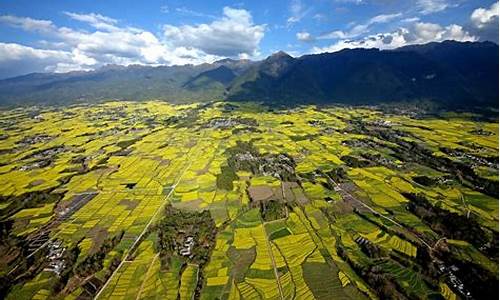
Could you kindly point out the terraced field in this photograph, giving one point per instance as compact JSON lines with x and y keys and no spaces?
{"x":305,"y":203}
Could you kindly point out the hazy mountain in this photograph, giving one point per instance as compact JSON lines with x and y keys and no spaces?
{"x":217,"y":78}
{"x":452,"y":74}
{"x":170,"y":83}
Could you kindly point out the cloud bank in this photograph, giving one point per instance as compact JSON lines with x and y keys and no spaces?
{"x":418,"y":33}
{"x":63,"y":49}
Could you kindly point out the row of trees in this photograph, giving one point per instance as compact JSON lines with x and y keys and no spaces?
{"x":381,"y":282}
{"x":449,"y":224}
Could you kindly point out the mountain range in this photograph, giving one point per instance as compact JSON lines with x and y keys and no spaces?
{"x":451,"y":74}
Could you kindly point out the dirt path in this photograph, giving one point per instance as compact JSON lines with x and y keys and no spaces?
{"x":270,"y":249}
{"x":350,"y":196}
{"x":145,"y":230}
{"x":466,"y":205}
{"x":146,"y":276}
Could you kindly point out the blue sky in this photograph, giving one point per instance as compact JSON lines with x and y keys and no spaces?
{"x":60,"y":36}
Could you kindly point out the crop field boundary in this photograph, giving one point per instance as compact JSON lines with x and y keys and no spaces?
{"x":125,"y":255}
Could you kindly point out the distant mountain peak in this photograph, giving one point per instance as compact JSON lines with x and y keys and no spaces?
{"x":280,"y":54}
{"x":109,"y":67}
{"x":225,"y":61}
{"x":276,"y":64}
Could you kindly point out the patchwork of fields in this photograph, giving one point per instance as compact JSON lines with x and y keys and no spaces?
{"x":307,"y":203}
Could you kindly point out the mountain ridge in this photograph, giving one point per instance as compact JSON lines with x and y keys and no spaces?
{"x":451,"y":74}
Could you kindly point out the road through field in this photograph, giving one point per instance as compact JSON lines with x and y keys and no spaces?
{"x":347,"y":194}
{"x":270,"y":249}
{"x":146,"y":276}
{"x":145,"y":229}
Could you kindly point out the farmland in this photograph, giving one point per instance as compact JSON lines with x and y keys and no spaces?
{"x":218,"y":200}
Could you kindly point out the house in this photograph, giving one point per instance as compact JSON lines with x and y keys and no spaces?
{"x":188,"y":246}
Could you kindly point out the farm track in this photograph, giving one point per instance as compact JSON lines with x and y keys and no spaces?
{"x":144,"y":231}
{"x":270,"y":249}
{"x":146,"y":276}
{"x":376,"y":213}
{"x":197,"y":279}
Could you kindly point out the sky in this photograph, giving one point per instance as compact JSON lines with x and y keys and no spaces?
{"x":63,"y":36}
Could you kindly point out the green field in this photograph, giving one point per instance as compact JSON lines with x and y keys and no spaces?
{"x":307,"y":203}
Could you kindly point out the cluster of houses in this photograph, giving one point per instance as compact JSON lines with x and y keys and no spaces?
{"x":275,"y":165}
{"x":35,"y":139}
{"x":316,"y":123}
{"x":55,"y":257}
{"x":380,"y":123}
{"x":382,"y":160}
{"x":476,"y":160}
{"x":358,"y":143}
{"x":35,"y":165}
{"x":49,"y":152}
{"x":481,"y":131}
{"x":38,"y":118}
{"x":187,"y":248}
{"x":43,"y":158}
{"x":453,"y":279}
{"x":223,"y":123}
{"x":104,"y":133}
{"x":269,"y":165}
{"x":111,"y":114}
{"x":361,"y":241}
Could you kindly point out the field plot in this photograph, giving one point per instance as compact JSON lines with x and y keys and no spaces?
{"x":188,"y":282}
{"x":218,"y":200}
{"x":127,"y":283}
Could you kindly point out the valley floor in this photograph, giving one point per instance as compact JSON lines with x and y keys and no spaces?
{"x":148,"y":200}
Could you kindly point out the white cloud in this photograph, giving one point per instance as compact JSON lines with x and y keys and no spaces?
{"x":351,"y":1}
{"x":337,"y":34}
{"x":95,"y":20}
{"x":431,"y":6}
{"x":304,"y":36}
{"x":17,"y":59}
{"x":111,"y":40}
{"x":482,"y":17}
{"x":11,"y":51}
{"x":360,"y":29}
{"x":66,"y":49}
{"x":192,"y":13}
{"x":28,"y":24}
{"x":297,"y":12}
{"x":427,"y":31}
{"x":233,"y":34}
{"x":319,"y":17}
{"x":410,"y":20}
{"x":384,"y":18}
{"x":420,"y":33}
